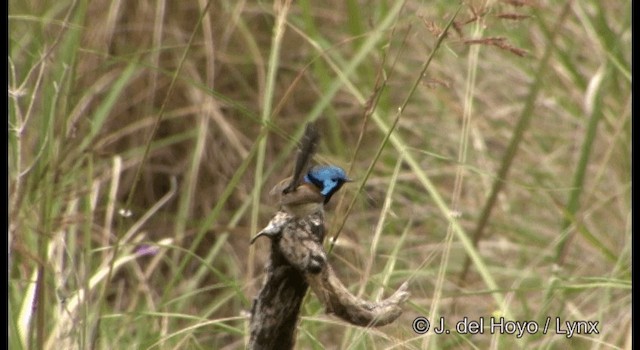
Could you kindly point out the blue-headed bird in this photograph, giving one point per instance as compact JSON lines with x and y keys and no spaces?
{"x":300,"y":195}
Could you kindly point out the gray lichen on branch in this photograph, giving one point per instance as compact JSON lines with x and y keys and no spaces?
{"x":297,"y":261}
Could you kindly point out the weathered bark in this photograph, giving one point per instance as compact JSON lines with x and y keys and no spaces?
{"x":274,"y":315}
{"x":340,"y":302}
{"x":298,"y":260}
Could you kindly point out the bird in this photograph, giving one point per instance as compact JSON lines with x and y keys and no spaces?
{"x":303,"y":195}
{"x":315,"y":190}
{"x":307,"y":200}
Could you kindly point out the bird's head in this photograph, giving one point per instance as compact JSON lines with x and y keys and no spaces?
{"x":327,"y":178}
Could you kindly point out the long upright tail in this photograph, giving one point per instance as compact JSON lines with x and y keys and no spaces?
{"x":307,"y":149}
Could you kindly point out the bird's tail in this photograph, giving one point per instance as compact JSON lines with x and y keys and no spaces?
{"x":307,"y":149}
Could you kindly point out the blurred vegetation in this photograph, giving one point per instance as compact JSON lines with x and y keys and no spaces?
{"x":144,"y":138}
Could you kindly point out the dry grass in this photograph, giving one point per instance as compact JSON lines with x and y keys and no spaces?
{"x":144,"y":138}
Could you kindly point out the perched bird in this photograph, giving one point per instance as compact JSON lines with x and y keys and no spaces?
{"x":307,"y":200}
{"x":303,"y":193}
{"x":314,"y":191}
{"x":306,"y":191}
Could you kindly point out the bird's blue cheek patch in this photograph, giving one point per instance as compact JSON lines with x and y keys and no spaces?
{"x":328,"y":187}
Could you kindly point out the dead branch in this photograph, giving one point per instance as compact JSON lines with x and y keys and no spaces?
{"x":297,"y":261}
